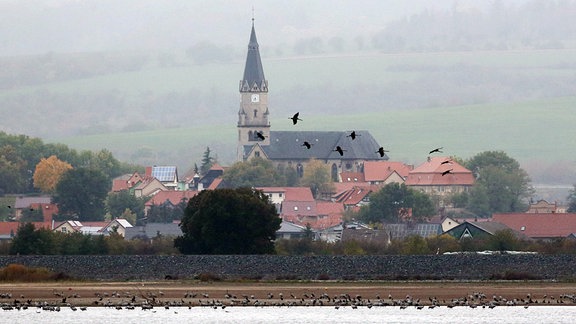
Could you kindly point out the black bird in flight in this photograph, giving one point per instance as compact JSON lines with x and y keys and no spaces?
{"x":339,"y":150}
{"x":260,"y":136}
{"x":307,"y":145}
{"x":449,"y":161}
{"x":353,"y":135}
{"x":447,"y":172}
{"x":436,"y":150}
{"x":381,"y":151}
{"x":295,"y":118}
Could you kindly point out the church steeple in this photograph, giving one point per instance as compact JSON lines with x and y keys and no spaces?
{"x":253,"y":80}
{"x":253,"y":124}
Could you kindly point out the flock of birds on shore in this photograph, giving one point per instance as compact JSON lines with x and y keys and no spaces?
{"x":150,"y":300}
{"x":381,"y":151}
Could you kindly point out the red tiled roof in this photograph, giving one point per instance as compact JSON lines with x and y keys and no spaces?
{"x":329,"y":208}
{"x":7,"y":227}
{"x":381,"y":170}
{"x":344,"y":186}
{"x":298,"y":194}
{"x":215,"y":184}
{"x":175,"y":197}
{"x":306,"y":208}
{"x":536,"y":225}
{"x":352,"y":177}
{"x":325,"y":214}
{"x":354,"y":195}
{"x":216,"y":166}
{"x":430,"y":172}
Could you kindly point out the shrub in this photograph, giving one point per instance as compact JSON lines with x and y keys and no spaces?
{"x":21,"y":273}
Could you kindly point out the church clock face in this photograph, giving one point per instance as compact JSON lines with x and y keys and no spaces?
{"x":255,"y":98}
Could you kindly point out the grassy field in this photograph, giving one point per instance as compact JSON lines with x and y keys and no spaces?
{"x":409,"y":135}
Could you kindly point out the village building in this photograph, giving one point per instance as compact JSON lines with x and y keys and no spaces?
{"x":441,"y":177}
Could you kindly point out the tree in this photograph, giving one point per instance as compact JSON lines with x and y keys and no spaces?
{"x":166,"y":212}
{"x":80,"y":194}
{"x":255,"y":172}
{"x":506,"y":185}
{"x":12,"y":170}
{"x":118,"y":202}
{"x":388,"y":204}
{"x":207,"y":161}
{"x":31,"y":215}
{"x":317,"y":177}
{"x":229,"y":221}
{"x":504,"y":240}
{"x":29,"y":240}
{"x":48,"y":172}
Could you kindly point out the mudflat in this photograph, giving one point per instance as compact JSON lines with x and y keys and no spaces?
{"x":194,"y":293}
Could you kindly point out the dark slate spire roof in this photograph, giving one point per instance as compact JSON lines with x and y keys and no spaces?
{"x":288,"y":145}
{"x":253,"y":80}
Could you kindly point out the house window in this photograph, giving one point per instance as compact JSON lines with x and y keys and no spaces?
{"x":257,"y":154}
{"x":64,"y":230}
{"x":280,"y":195}
{"x":523,"y":228}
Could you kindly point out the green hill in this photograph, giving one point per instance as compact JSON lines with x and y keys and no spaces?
{"x":536,"y":132}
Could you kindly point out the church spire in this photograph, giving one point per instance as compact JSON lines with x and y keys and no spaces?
{"x":253,"y":80}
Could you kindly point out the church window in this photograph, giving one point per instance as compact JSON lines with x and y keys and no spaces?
{"x":300,"y":170}
{"x":255,"y":113}
{"x":257,"y":154}
{"x":334,"y":172}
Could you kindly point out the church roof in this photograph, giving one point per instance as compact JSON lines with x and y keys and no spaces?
{"x":288,"y":145}
{"x":253,"y":79}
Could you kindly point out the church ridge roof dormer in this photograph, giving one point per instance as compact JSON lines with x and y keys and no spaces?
{"x":253,"y":80}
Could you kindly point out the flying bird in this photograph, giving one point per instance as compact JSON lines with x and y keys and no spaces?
{"x":260,"y":136}
{"x":353,"y":135}
{"x":339,"y":150}
{"x":295,"y":118}
{"x":381,"y":151}
{"x":307,"y":145}
{"x":436,"y":150}
{"x":449,"y":161}
{"x":447,"y":172}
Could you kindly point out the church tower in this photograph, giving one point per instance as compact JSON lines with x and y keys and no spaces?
{"x":253,"y":113}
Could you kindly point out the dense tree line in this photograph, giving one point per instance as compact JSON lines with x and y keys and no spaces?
{"x":20,"y":154}
{"x":417,"y":245}
{"x":32,"y":241}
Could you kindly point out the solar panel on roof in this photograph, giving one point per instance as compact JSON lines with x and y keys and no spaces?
{"x":164,"y":173}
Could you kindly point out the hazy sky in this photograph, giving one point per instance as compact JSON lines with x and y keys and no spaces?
{"x":41,"y":26}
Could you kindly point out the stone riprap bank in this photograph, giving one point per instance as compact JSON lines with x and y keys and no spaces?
{"x":269,"y":267}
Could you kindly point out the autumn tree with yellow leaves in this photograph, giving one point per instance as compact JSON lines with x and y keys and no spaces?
{"x":48,"y":172}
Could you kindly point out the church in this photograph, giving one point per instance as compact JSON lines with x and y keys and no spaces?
{"x":287,"y":148}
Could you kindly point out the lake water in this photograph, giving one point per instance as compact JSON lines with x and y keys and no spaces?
{"x":301,"y":314}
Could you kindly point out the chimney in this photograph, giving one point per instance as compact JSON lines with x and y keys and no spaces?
{"x":148,"y":171}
